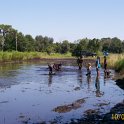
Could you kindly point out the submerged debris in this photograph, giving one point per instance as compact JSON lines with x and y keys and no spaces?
{"x":77,"y":88}
{"x":91,"y":111}
{"x":69,"y":107}
{"x":103,"y":104}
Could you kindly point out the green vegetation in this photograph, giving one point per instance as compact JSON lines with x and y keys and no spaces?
{"x":19,"y":56}
{"x":119,"y":66}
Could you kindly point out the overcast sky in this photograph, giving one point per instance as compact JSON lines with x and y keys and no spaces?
{"x":65,"y":19}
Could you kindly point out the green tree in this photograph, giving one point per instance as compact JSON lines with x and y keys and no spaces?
{"x":57,"y":47}
{"x":29,"y":43}
{"x":42,"y":43}
{"x":21,"y":42}
{"x":105,"y":43}
{"x":72,"y":47}
{"x":50,"y":49}
{"x":1,"y":41}
{"x":123,"y":46}
{"x":94,"y":45}
{"x":83,"y":44}
{"x":4,"y":30}
{"x":116,"y":45}
{"x":65,"y":47}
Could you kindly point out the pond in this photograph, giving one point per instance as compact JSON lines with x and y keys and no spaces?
{"x":29,"y":95}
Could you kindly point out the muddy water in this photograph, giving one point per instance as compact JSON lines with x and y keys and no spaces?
{"x":29,"y":95}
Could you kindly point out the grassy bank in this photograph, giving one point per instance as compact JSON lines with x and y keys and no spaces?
{"x":116,"y":61}
{"x":119,"y":66}
{"x":20,"y":56}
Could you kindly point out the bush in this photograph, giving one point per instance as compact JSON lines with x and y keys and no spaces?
{"x":119,"y":66}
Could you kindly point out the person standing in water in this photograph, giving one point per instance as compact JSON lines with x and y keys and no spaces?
{"x":105,"y":66}
{"x":105,"y":63}
{"x":80,"y":62}
{"x":50,"y":69}
{"x":98,"y":65}
{"x":106,"y":70}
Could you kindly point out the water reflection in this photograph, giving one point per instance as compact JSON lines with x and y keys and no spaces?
{"x":50,"y":80}
{"x":88,"y":81}
{"x":104,"y":80}
{"x":79,"y":77}
{"x":9,"y":70}
{"x":97,"y":85}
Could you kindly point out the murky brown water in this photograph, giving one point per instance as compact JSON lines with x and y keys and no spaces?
{"x":29,"y":95}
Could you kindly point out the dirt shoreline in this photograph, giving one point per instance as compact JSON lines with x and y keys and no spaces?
{"x":120,"y":83}
{"x":108,"y":118}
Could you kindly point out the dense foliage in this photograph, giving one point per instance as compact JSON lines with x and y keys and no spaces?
{"x":12,"y":40}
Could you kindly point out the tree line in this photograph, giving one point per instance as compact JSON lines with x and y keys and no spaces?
{"x":11,"y":39}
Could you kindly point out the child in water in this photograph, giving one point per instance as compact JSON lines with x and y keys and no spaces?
{"x":89,"y":69}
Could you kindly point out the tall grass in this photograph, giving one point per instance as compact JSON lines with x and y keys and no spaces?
{"x":19,"y":56}
{"x":115,"y":61}
{"x":119,"y":66}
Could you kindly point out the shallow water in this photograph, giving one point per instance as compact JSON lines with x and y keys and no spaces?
{"x":29,"y":95}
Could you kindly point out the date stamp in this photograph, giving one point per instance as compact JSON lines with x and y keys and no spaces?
{"x":118,"y":116}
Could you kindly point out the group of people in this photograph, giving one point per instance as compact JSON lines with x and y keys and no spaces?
{"x":57,"y":67}
{"x":97,"y":64}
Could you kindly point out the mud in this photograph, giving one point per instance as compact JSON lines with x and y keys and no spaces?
{"x":66,"y":108}
{"x":93,"y":116}
{"x":120,"y":83}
